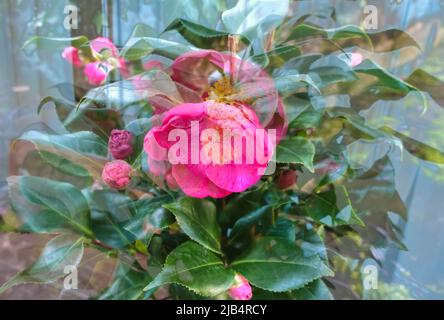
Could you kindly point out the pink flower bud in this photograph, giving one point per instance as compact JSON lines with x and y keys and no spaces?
{"x":241,"y":290}
{"x":287,"y":179}
{"x":120,"y":144}
{"x":96,"y":72}
{"x":171,"y":182}
{"x":117,"y":174}
{"x":356,"y":59}
{"x":71,"y":54}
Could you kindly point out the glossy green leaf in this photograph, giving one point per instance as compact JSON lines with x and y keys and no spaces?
{"x":316,"y":290}
{"x":250,"y":219}
{"x":150,"y":217}
{"x":253,"y":18}
{"x":63,"y":251}
{"x":128,"y":284}
{"x":139,"y":47}
{"x":198,"y":220}
{"x":57,"y":43}
{"x":110,"y":211}
{"x":45,"y":205}
{"x":296,"y":150}
{"x":200,"y":35}
{"x":332,"y":208}
{"x":195,"y":268}
{"x":277,"y":57}
{"x":278,"y":265}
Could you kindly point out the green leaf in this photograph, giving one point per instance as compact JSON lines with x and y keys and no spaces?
{"x":277,"y":57}
{"x":296,"y":150}
{"x":62,"y":251}
{"x":139,"y":47}
{"x":128,"y":284}
{"x":428,"y":83}
{"x":195,"y":268}
{"x":254,"y":18}
{"x":110,"y":211}
{"x":46,"y":205}
{"x":57,"y":43}
{"x":86,"y":143}
{"x":64,"y":165}
{"x":283,"y":228}
{"x":348,"y":36}
{"x":139,"y":126}
{"x":316,"y":290}
{"x":150,"y":217}
{"x":198,"y":220}
{"x":250,"y":219}
{"x":290,"y":84}
{"x":417,"y":148}
{"x":332,"y":208}
{"x":201,"y":36}
{"x":83,"y":148}
{"x":277,"y":265}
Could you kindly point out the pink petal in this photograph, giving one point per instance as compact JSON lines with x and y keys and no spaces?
{"x":194,"y":183}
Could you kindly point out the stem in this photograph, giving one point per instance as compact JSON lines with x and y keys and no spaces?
{"x":233,"y":42}
{"x":270,"y":41}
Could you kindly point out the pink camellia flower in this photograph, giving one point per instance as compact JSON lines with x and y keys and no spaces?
{"x":215,"y":168}
{"x":120,"y":144}
{"x":287,"y":179}
{"x":356,"y":59}
{"x":96,"y":72}
{"x":219,"y":91}
{"x":103,"y":45}
{"x":71,"y":54}
{"x":117,"y":174}
{"x":241,"y":290}
{"x":205,"y":72}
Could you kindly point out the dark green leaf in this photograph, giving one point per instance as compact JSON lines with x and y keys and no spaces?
{"x":62,"y":251}
{"x":46,"y":205}
{"x":198,"y":220}
{"x":296,"y":150}
{"x":201,"y":36}
{"x":195,"y":268}
{"x":277,"y":265}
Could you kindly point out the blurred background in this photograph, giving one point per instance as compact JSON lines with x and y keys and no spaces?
{"x":29,"y":76}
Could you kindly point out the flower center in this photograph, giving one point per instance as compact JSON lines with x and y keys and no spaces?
{"x":221,"y":90}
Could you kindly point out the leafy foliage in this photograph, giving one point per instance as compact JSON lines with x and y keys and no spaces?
{"x":288,"y":242}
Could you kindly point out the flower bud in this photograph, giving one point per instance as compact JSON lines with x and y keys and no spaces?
{"x":287,"y":179}
{"x":120,"y":144}
{"x":96,"y":72}
{"x":117,"y":174}
{"x":241,"y":290}
{"x":71,"y":54}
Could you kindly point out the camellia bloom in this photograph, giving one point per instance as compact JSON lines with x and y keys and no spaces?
{"x":216,"y":168}
{"x":241,"y":290}
{"x":120,"y":144}
{"x":96,"y":72}
{"x":105,"y":58}
{"x":117,"y":174}
{"x":71,"y":54}
{"x":221,"y":93}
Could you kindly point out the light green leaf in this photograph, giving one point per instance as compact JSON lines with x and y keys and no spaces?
{"x":46,"y":205}
{"x":198,"y":220}
{"x":128,"y":284}
{"x":195,"y":268}
{"x":296,"y":150}
{"x":277,"y":265}
{"x":62,"y":251}
{"x":201,"y":36}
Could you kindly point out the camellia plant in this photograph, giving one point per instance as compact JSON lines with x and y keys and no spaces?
{"x":218,"y":166}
